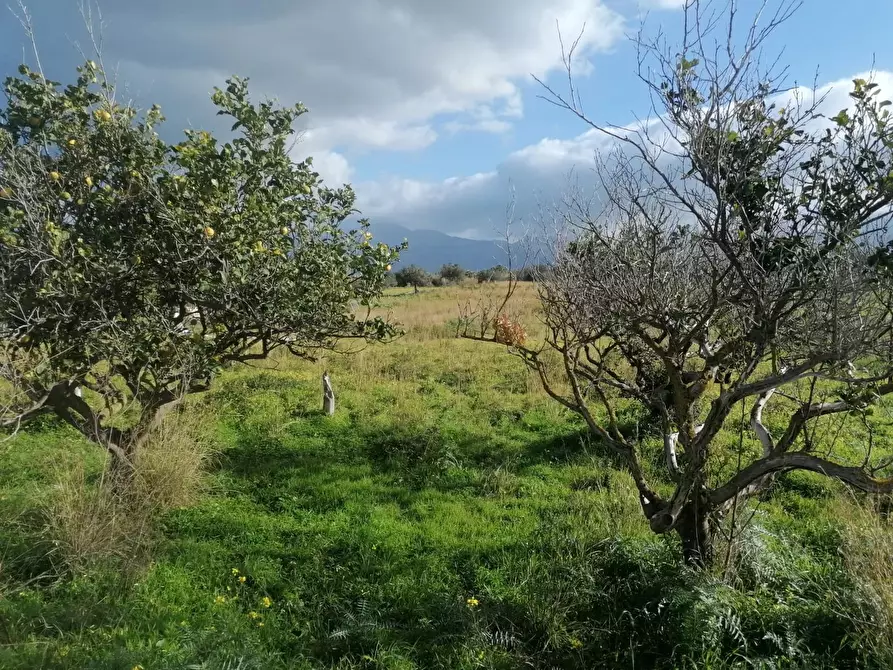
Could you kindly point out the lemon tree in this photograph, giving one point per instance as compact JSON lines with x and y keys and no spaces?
{"x":133,"y":269}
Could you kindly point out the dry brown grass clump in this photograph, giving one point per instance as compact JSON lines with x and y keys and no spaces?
{"x":90,"y":522}
{"x":171,"y":466}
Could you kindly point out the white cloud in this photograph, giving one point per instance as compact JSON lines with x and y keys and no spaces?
{"x":474,"y":206}
{"x":375,"y":73}
{"x":666,"y":4}
{"x":367,"y":133}
{"x":489,"y":118}
{"x":332,"y":167}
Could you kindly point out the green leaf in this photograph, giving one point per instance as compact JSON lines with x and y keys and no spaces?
{"x":842,"y":119}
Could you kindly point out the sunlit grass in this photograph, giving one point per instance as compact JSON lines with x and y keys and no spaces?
{"x":447,"y":476}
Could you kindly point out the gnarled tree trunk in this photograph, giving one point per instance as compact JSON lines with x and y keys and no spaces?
{"x":697,"y":533}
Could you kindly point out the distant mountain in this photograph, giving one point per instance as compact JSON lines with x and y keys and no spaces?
{"x":430,"y":249}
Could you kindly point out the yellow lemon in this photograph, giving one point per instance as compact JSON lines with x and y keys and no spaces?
{"x":387,"y":267}
{"x":88,"y":181}
{"x":284,"y":230}
{"x":55,"y":176}
{"x":306,"y":188}
{"x":209,"y":232}
{"x":72,"y":142}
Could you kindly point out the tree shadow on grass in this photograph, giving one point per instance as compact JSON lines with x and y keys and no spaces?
{"x":570,"y":447}
{"x":322,"y":458}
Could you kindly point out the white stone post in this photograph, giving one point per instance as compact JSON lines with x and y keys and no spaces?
{"x":328,"y":395}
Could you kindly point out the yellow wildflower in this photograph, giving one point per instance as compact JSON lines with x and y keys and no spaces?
{"x":472,"y":602}
{"x":220,"y":600}
{"x":235,"y":571}
{"x":575,"y":643}
{"x":266,"y":602}
{"x":242,"y":579}
{"x":253,"y":615}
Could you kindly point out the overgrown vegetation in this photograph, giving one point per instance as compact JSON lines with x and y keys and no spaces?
{"x":450,"y":515}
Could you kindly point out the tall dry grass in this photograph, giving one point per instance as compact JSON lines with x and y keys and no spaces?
{"x":431,"y":314}
{"x":868,"y":552}
{"x":170,"y":467}
{"x":90,"y":522}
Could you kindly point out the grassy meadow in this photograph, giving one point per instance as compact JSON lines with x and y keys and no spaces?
{"x":450,"y":515}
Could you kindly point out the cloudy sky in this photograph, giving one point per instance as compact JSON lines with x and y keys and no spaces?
{"x":427,"y":107}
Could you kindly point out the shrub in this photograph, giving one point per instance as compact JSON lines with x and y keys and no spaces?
{"x":412,"y":275}
{"x":452,"y":273}
{"x":496,"y":273}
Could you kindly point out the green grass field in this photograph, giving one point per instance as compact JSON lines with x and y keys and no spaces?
{"x":450,"y":515}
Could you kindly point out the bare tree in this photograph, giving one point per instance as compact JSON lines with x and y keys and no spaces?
{"x":738,"y":255}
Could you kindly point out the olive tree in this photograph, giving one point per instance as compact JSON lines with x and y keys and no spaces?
{"x":736,"y":264}
{"x":413,"y":275}
{"x":132,"y":270}
{"x":452,"y":273}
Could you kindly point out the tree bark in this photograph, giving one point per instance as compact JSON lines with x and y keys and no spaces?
{"x":121,"y":467}
{"x":697,"y":535}
{"x":328,"y":395}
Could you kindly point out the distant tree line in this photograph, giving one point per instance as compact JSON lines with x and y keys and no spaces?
{"x":452,"y":273}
